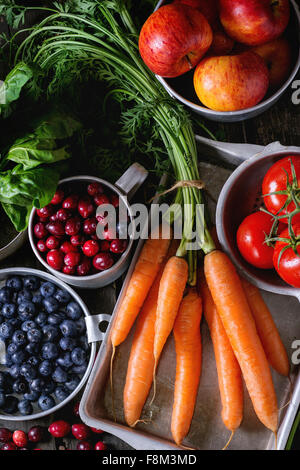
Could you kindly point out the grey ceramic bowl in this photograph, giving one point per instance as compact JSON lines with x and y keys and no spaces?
{"x":182,"y":87}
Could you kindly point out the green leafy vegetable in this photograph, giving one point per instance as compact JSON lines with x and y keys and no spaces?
{"x":11,"y":88}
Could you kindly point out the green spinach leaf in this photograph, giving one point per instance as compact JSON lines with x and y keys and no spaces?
{"x":12,"y":86}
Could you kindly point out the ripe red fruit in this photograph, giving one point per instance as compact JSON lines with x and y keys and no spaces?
{"x":40,"y":230}
{"x":84,"y":445}
{"x":103,"y":261}
{"x":118,"y":246}
{"x":109,"y":234}
{"x":67,"y":246}
{"x":20,"y":438}
{"x":71,"y":202}
{"x":45,"y":212}
{"x":59,"y":428}
{"x":52,"y":242}
{"x":69,"y":270}
{"x":84,"y":267}
{"x":97,"y":431}
{"x":95,"y":188}
{"x":90,"y":248}
{"x":5,"y":435}
{"x":85,"y":207}
{"x":36,"y":434}
{"x":41,"y":246}
{"x":9,"y":446}
{"x":63,"y":215}
{"x":77,"y":240}
{"x":80,"y":431}
{"x":104,"y":245}
{"x":100,"y":446}
{"x":73,"y":226}
{"x":56,"y":228}
{"x":101,"y":199}
{"x":58,"y":197}
{"x":55,"y":259}
{"x":72,"y":259}
{"x":90,"y":226}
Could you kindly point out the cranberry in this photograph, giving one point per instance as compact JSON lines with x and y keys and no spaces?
{"x":77,"y":240}
{"x":45,"y":212}
{"x":103,"y":261}
{"x":101,"y":199}
{"x":104,"y":245}
{"x":109,"y":234}
{"x":41,"y":246}
{"x":118,"y":246}
{"x":100,"y":446}
{"x":84,"y":445}
{"x":90,"y":248}
{"x":56,"y":228}
{"x":102,"y":218}
{"x":59,"y":428}
{"x":67,"y":246}
{"x":9,"y":446}
{"x":40,"y":230}
{"x":90,"y":226}
{"x":97,"y":431}
{"x":36,"y":434}
{"x":20,"y":438}
{"x":5,"y":435}
{"x":84,"y":267}
{"x":72,"y":259}
{"x":95,"y":188}
{"x":71,"y":202}
{"x":55,"y":259}
{"x":53,"y":218}
{"x":58,"y":197}
{"x":114,"y":200}
{"x":76,"y":409}
{"x":69,"y":270}
{"x":80,"y":431}
{"x":85,"y":207}
{"x":63,"y":215}
{"x":52,"y":242}
{"x":73,"y":226}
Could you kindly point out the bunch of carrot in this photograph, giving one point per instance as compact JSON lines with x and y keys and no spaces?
{"x":243,"y":332}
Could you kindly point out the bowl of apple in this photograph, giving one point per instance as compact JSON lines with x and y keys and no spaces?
{"x":226,"y":60}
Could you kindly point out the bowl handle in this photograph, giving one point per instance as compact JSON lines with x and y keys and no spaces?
{"x":94,"y":334}
{"x":131,"y":180}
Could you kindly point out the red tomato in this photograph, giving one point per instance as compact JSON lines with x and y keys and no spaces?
{"x":288,"y":267}
{"x":276,"y":180}
{"x":251,"y":237}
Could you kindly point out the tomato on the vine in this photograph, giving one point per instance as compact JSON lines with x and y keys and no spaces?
{"x":276,"y":179}
{"x":251,"y":240}
{"x":286,"y":261}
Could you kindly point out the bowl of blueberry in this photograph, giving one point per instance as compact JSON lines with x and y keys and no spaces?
{"x":64,"y":235}
{"x":45,"y":357}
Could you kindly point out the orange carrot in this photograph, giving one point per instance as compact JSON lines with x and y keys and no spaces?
{"x":229,"y":372}
{"x":146,"y":269}
{"x":141,"y":362}
{"x":232,"y":305}
{"x":188,"y":364}
{"x":267,"y":330}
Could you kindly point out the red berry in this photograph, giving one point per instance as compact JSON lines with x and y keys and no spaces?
{"x":95,"y":188}
{"x":63,"y":215}
{"x":67,"y":246}
{"x":103,"y":261}
{"x":45,"y":212}
{"x":41,"y":246}
{"x":90,"y":248}
{"x":72,"y":259}
{"x":9,"y":446}
{"x":58,"y":197}
{"x":104,"y":245}
{"x":36,"y":434}
{"x":109,"y":234}
{"x":100,"y":446}
{"x":97,"y":431}
{"x":85,"y":207}
{"x":40,"y":230}
{"x":84,"y":445}
{"x":76,"y":409}
{"x":84,"y":267}
{"x":55,"y":259}
{"x":101,"y":199}
{"x":52,"y":242}
{"x":56,"y":228}
{"x":90,"y":226}
{"x":77,"y":240}
{"x":114,"y":200}
{"x":69,"y":270}
{"x":53,"y":218}
{"x":118,"y":246}
{"x":73,"y":226}
{"x":5,"y":435}
{"x":20,"y":438}
{"x":71,"y":202}
{"x":80,"y":431}
{"x":59,"y":428}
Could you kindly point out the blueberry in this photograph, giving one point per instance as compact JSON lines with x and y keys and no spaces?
{"x":83,"y":342}
{"x":28,"y":371}
{"x":78,"y":356}
{"x":15,"y":283}
{"x":72,"y":382}
{"x":50,"y":332}
{"x":15,"y":371}
{"x":49,"y":351}
{"x":50,"y":305}
{"x":49,"y":386}
{"x":12,"y":348}
{"x":80,"y":370}
{"x":81,"y":326}
{"x":8,"y":383}
{"x":47,"y":289}
{"x":59,"y":375}
{"x":37,"y":299}
{"x":8,"y":360}
{"x":68,"y":328}
{"x":74,"y":311}
{"x":45,"y":368}
{"x":2,"y":399}
{"x":3,"y":377}
{"x":41,"y":318}
{"x":5,"y":295}
{"x":10,"y":405}
{"x":56,"y":318}
{"x":33,"y":361}
{"x":26,"y":310}
{"x":32,"y":348}
{"x":35,"y":335}
{"x":25,"y":407}
{"x":61,"y":393}
{"x":18,"y":357}
{"x":8,"y":310}
{"x":32,"y":395}
{"x":6,"y":330}
{"x":37,"y":385}
{"x":19,"y":338}
{"x":23,"y":296}
{"x":14,"y":322}
{"x":28,"y":325}
{"x":31,"y":283}
{"x":20,"y":386}
{"x":65,"y":360}
{"x":46,"y":402}
{"x":62,"y":296}
{"x":67,"y":343}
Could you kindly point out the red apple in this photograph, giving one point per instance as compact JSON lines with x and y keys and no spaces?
{"x":231,"y":83}
{"x":174,"y":39}
{"x":254,"y":22}
{"x":208,"y":8}
{"x":278,"y":57}
{"x":222,"y":44}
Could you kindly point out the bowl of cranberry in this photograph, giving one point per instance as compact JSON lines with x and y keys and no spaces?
{"x":85,"y":235}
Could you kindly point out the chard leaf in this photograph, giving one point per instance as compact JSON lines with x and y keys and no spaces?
{"x":12,"y":86}
{"x":19,"y":215}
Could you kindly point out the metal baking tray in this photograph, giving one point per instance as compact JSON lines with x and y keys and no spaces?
{"x":207,"y":430}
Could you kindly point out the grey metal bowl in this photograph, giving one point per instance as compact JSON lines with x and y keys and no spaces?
{"x":4,"y":273}
{"x":178,"y":86}
{"x":13,"y":245}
